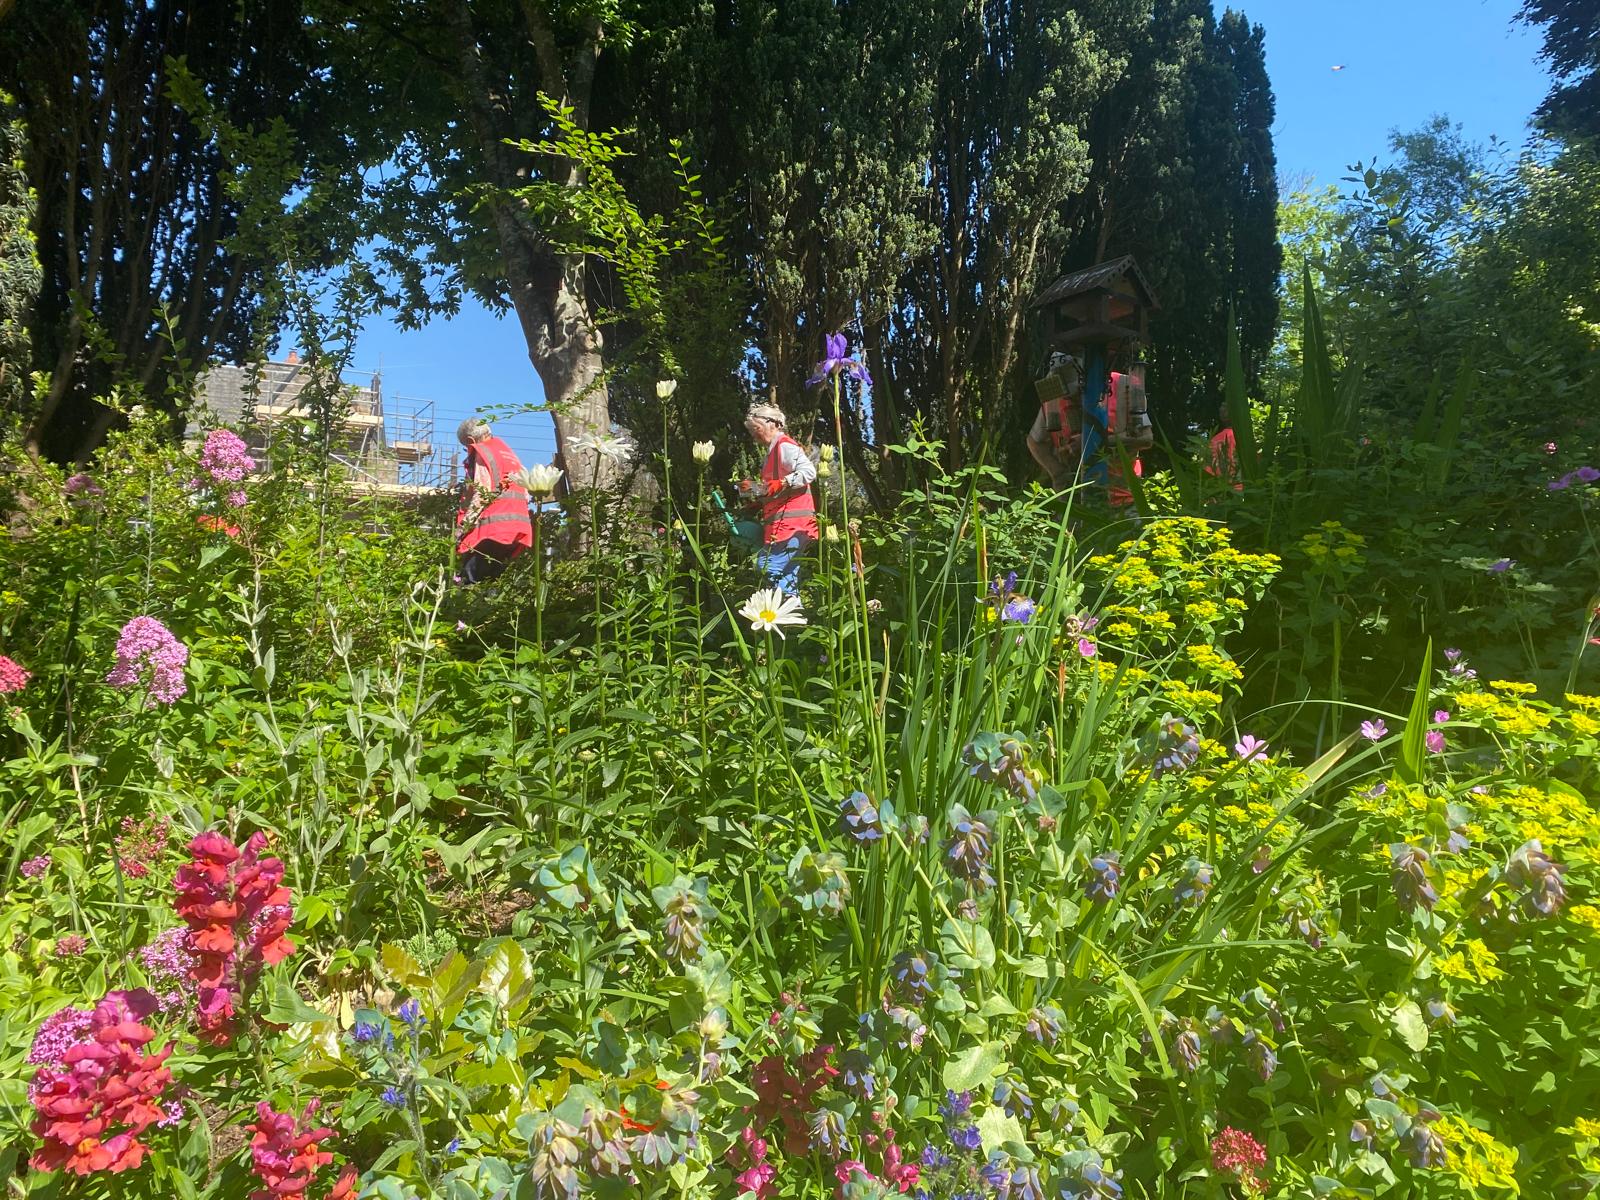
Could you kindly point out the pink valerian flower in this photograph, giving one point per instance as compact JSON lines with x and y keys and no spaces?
{"x":35,"y":867}
{"x":237,"y":499}
{"x":72,"y":945}
{"x":141,"y":845}
{"x":1235,"y":1152}
{"x":1434,"y":739}
{"x":82,"y":485}
{"x":13,"y":676}
{"x":286,"y":1155}
{"x":170,"y":966}
{"x":58,"y":1033}
{"x":238,"y":913}
{"x":225,"y":457}
{"x":1374,"y":730}
{"x":148,"y":653}
{"x":91,"y":1108}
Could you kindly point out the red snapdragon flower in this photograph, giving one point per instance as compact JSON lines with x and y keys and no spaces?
{"x":106,"y":1092}
{"x":238,"y":913}
{"x":287,"y":1154}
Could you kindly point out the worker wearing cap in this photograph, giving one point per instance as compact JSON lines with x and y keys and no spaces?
{"x":788,"y":512}
{"x":493,"y":518}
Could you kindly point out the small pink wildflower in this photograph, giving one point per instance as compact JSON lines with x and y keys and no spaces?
{"x":1374,"y":730}
{"x":1435,"y":741}
{"x":71,"y":946}
{"x":225,"y":457}
{"x":35,"y":867}
{"x":1441,"y":716}
{"x":1549,"y":447}
{"x":1087,"y":649}
{"x":13,"y":676}
{"x":237,"y":499}
{"x":1250,"y":746}
{"x":1236,"y":1153}
{"x":148,"y":653}
{"x":58,"y":1033}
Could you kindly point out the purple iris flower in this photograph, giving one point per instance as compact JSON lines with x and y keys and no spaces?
{"x":1586,"y":474}
{"x":836,"y":358}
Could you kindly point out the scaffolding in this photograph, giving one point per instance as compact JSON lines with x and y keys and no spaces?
{"x":387,"y":449}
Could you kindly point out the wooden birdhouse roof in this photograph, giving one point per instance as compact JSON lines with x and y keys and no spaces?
{"x":1102,"y":275}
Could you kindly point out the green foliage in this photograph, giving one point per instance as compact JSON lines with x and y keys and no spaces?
{"x":19,"y":264}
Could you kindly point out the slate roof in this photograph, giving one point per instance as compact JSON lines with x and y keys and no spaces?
{"x":1098,"y":275}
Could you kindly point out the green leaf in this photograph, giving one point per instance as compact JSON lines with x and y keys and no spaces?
{"x":1413,"y":744}
{"x":974,"y":1067}
{"x":287,"y":1008}
{"x":1408,"y":1022}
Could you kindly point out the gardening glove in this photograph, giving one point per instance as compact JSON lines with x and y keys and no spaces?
{"x":774,"y":486}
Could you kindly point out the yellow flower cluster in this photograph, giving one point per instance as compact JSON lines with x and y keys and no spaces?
{"x":1583,"y":724}
{"x":1586,"y":915}
{"x":1214,"y":663}
{"x":1557,"y":818}
{"x":1476,"y":1158}
{"x":1192,"y":700}
{"x":1474,"y":963}
{"x":1515,"y":687}
{"x":1587,"y":703}
{"x":1507,"y":716}
{"x":1333,"y":545}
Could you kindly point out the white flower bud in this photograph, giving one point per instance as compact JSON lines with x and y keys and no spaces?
{"x":665,"y":388}
{"x":703,"y":451}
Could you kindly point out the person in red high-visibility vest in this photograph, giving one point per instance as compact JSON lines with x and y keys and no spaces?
{"x":788,"y":511}
{"x":492,"y":523}
{"x":1225,"y":453}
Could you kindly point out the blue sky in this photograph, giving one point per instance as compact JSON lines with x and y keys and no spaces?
{"x":1404,"y":60}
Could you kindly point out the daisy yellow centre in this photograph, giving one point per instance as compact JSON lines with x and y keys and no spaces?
{"x":768,"y":615}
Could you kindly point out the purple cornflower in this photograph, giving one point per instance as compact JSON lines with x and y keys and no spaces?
{"x":1501,"y":566}
{"x":835,"y":359}
{"x":1105,"y":876}
{"x":225,"y":457}
{"x":1374,"y":730}
{"x":1250,"y":746}
{"x":58,"y":1033}
{"x":860,"y":818}
{"x":147,"y":652}
{"x":35,"y":867}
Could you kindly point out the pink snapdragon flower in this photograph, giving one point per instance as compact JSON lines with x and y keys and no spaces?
{"x":148,"y":653}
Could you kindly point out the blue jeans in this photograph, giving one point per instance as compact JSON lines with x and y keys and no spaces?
{"x":781,"y":562}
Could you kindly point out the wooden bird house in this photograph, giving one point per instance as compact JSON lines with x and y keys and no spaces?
{"x":1107,"y":304}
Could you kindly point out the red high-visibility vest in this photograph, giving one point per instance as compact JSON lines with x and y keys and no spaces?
{"x":505,"y":518}
{"x":785,"y":516}
{"x":1225,"y":457}
{"x":1067,"y":438}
